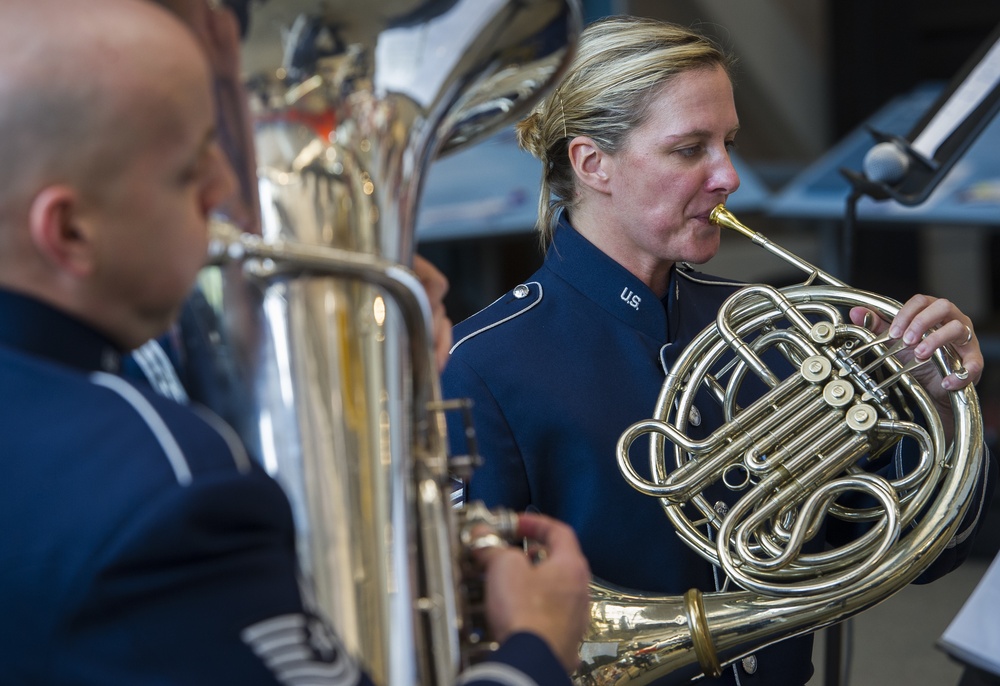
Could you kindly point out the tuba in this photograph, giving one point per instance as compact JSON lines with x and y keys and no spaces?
{"x":798,"y":452}
{"x":324,"y":332}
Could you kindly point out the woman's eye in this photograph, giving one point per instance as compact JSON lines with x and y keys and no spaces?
{"x":690,"y":151}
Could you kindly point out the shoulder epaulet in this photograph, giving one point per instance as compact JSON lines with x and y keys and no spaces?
{"x":511,"y":304}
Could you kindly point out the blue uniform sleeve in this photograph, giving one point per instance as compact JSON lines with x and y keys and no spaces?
{"x":522,"y":659}
{"x":501,"y":479}
{"x":960,"y":546}
{"x":199,"y":586}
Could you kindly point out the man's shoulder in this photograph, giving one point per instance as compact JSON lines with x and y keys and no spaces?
{"x":191,"y":439}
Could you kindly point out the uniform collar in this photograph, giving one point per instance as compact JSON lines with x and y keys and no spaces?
{"x":33,"y":327}
{"x":608,"y":284}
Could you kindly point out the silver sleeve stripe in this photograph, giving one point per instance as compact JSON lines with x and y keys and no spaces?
{"x":236,"y":448}
{"x":497,"y":672}
{"x":318,"y":674}
{"x":175,"y":456}
{"x":159,"y":370}
{"x":505,"y":319}
{"x":287,"y":644}
{"x":273,"y":644}
{"x":289,"y":622}
{"x":292,"y":654}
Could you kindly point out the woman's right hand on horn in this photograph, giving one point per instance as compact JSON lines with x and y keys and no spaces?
{"x":545,"y":594}
{"x":924,"y":324}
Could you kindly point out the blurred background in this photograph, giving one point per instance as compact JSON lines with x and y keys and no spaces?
{"x":812,"y":74}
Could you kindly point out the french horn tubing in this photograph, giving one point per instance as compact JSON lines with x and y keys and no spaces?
{"x":799,"y":453}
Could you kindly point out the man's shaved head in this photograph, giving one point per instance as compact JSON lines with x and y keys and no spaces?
{"x":62,"y":115}
{"x":109,"y":163}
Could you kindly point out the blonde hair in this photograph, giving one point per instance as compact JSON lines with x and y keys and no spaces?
{"x":620,"y":65}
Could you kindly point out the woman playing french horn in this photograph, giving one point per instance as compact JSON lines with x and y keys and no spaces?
{"x":635,"y":148}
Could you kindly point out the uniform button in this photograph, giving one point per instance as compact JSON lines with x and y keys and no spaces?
{"x":110,"y":361}
{"x":521,"y":291}
{"x":750,"y":664}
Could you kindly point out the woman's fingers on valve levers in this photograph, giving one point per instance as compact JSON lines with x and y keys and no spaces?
{"x":924,"y":324}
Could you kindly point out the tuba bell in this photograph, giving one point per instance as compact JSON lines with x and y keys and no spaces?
{"x":325,"y":332}
{"x":798,"y":452}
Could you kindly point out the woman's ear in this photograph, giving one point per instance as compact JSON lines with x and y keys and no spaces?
{"x":57,"y":232}
{"x":590,"y":163}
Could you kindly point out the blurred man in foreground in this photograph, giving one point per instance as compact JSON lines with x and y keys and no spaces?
{"x":142,"y":545}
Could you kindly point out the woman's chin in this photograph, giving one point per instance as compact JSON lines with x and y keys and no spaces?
{"x":703,"y":251}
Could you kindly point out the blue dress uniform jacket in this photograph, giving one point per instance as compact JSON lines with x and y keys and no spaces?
{"x":140,"y":544}
{"x":557,"y":369}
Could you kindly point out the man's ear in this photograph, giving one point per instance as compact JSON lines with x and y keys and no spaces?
{"x":590,"y":163}
{"x":57,"y":232}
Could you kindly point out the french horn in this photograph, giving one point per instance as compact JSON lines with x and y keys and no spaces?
{"x":798,"y":453}
{"x":325,"y":331}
